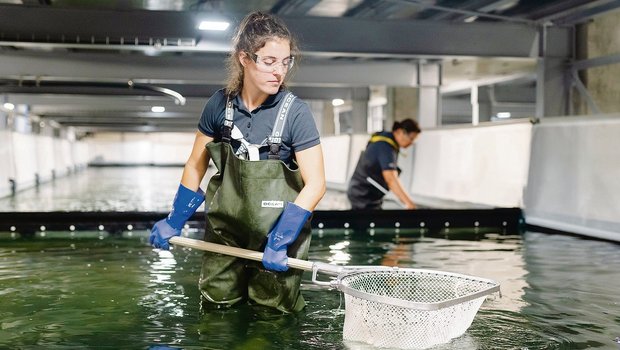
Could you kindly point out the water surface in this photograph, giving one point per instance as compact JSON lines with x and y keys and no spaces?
{"x":89,"y":290}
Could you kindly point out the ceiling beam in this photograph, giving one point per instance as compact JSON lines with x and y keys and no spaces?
{"x":76,"y":67}
{"x":581,"y":13}
{"x":82,"y":96}
{"x":100,"y":102}
{"x":356,"y":37}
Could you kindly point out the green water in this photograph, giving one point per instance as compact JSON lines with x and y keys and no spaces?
{"x":82,"y":290}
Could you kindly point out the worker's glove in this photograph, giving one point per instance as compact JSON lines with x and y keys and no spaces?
{"x":283,"y":234}
{"x":185,"y":204}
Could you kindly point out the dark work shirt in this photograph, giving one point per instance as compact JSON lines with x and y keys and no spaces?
{"x":377,"y":157}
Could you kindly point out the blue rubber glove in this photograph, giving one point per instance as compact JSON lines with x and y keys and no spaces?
{"x":185,"y":204}
{"x":283,"y":233}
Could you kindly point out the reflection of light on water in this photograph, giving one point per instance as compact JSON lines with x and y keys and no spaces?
{"x":338,"y":256}
{"x":162,"y":269}
{"x":498,"y":258}
{"x":166,"y":297}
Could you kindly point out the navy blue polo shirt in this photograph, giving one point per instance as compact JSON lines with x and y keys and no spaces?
{"x":382,"y":155}
{"x":377,"y":157}
{"x":299,"y":132}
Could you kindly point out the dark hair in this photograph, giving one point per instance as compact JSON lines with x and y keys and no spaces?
{"x":409,"y":125}
{"x":252,"y":34}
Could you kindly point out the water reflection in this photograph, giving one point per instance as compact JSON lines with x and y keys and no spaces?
{"x":165,"y":297}
{"x":573,"y":289}
{"x":339,"y":256}
{"x":73,"y":291}
{"x":163,"y":268}
{"x":100,"y":189}
{"x":498,"y":260}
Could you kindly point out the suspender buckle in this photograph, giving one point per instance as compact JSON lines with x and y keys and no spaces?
{"x":274,"y":150}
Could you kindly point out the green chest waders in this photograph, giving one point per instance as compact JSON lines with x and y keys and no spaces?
{"x":245,"y":199}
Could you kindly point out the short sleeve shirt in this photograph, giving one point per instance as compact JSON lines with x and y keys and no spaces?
{"x":299,"y":132}
{"x":377,"y":157}
{"x":382,"y":154}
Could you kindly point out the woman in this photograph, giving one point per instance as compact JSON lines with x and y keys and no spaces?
{"x":377,"y":167}
{"x":266,"y":147}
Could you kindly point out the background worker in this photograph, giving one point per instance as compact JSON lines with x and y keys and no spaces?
{"x":266,"y":147}
{"x":379,"y":163}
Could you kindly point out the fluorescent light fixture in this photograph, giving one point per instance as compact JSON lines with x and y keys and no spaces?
{"x":213,"y":25}
{"x":337,"y":102}
{"x":9,"y":106}
{"x":503,"y":115}
{"x":158,"y":109}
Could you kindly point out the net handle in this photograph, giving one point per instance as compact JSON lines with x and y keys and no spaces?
{"x":251,"y":255}
{"x":334,"y":270}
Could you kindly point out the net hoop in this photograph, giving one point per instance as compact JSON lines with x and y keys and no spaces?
{"x":342,"y":284}
{"x":409,"y":308}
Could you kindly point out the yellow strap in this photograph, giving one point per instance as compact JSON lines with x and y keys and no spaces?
{"x":378,"y":138}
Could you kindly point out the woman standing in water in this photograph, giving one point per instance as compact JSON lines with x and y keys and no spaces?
{"x":266,"y":147}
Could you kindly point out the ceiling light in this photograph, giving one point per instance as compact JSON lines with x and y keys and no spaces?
{"x":213,"y":25}
{"x":503,"y":115}
{"x":337,"y":102}
{"x":158,"y":109}
{"x":9,"y":106}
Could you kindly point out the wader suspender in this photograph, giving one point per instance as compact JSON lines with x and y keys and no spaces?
{"x":275,"y":139}
{"x":228,"y":122}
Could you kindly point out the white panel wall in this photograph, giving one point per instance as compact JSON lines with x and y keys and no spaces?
{"x":105,"y":148}
{"x":574,"y":180}
{"x":406,"y":159}
{"x":171,"y":148}
{"x":136,"y":149}
{"x":335,"y":158}
{"x":140,"y":148}
{"x":25,"y":158}
{"x":79,"y":153}
{"x":7,"y":168}
{"x":358,"y":145}
{"x":484,"y":165}
{"x":63,"y":159}
{"x":45,"y":158}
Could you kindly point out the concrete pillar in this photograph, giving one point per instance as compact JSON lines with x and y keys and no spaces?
{"x":377,"y":103}
{"x":21,"y":121}
{"x":578,"y":104}
{"x":429,"y":97}
{"x":328,"y":126}
{"x":359,"y":116}
{"x":402,"y":104}
{"x":316,"y":106}
{"x":552,"y":72}
{"x":551,"y":87}
{"x":4,"y":116}
{"x":4,"y":120}
{"x":485,"y":105}
{"x":602,"y":82}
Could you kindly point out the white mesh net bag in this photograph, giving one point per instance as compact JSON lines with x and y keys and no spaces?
{"x":390,"y":306}
{"x":410,"y":308}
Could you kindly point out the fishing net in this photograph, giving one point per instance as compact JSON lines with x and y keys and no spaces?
{"x":389,"y":306}
{"x":410,"y":308}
